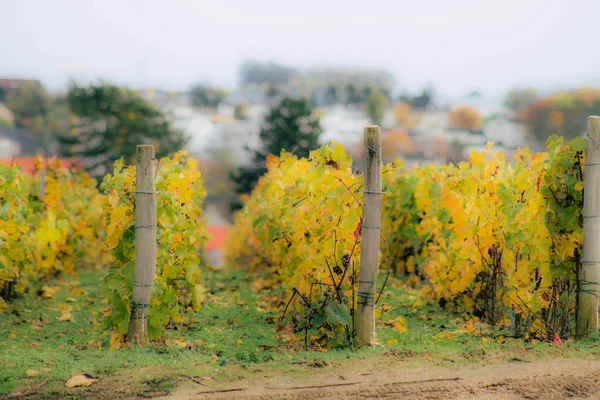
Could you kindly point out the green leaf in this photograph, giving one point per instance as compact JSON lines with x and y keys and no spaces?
{"x":337,"y":314}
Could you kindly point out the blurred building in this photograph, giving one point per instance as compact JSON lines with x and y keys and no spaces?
{"x":10,"y":85}
{"x":16,"y":142}
{"x":503,"y":129}
{"x":219,"y":136}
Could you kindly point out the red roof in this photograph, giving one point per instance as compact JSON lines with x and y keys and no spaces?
{"x":28,"y":163}
{"x":217,"y":236}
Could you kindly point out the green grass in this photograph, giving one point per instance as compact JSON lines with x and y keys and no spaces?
{"x":231,"y":337}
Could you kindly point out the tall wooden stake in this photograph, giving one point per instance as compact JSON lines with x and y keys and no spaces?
{"x":145,"y":244}
{"x":371,"y":228}
{"x":587,"y":307}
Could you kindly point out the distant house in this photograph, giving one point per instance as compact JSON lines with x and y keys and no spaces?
{"x":219,"y":136}
{"x":343,"y":125}
{"x":17,"y":142}
{"x":502,"y":128}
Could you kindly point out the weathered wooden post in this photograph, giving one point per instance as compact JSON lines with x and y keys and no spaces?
{"x":587,"y":307}
{"x":145,"y":244}
{"x":371,"y":228}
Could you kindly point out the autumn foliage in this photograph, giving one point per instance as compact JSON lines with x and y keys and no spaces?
{"x":45,"y":233}
{"x":487,"y":236}
{"x":564,"y":113}
{"x":465,"y":117}
{"x":301,"y":223}
{"x":181,"y":235}
{"x":491,"y":235}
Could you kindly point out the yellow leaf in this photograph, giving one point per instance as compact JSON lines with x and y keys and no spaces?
{"x":477,"y":158}
{"x":239,"y":342}
{"x":32,"y":372}
{"x":392,"y":341}
{"x":47,"y":234}
{"x":399,"y":327}
{"x":176,"y":343}
{"x":117,"y":340}
{"x":49,"y":292}
{"x":65,"y":315}
{"x":13,"y":336}
{"x":80,"y":380}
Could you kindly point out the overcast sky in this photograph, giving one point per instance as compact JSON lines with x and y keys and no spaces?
{"x":457,"y":45}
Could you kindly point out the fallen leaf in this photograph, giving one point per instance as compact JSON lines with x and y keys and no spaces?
{"x":65,"y":315}
{"x":80,"y":380}
{"x":399,"y":327}
{"x":49,"y":292}
{"x":392,"y":341}
{"x":32,"y":372}
{"x":13,"y":336}
{"x":176,"y":343}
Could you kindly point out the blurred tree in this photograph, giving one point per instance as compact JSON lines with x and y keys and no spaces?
{"x":518,"y":99}
{"x":403,"y":117}
{"x":2,"y":94}
{"x":272,"y":91}
{"x":375,"y":107}
{"x":563,"y":113}
{"x":331,"y":96}
{"x":206,"y":96}
{"x":290,"y":126}
{"x":352,"y":95}
{"x":109,"y":122}
{"x":252,"y":72}
{"x":6,"y":116}
{"x":241,"y":112}
{"x":465,"y":117}
{"x":37,"y":111}
{"x":387,"y":94}
{"x":28,"y":103}
{"x":421,"y":101}
{"x":365,"y":93}
{"x":395,"y":143}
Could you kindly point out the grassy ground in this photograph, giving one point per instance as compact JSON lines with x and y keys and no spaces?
{"x":45,"y":341}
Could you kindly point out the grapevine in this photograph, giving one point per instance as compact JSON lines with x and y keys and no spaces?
{"x":181,"y":235}
{"x":47,"y":232}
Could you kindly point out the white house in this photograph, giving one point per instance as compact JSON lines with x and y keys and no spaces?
{"x":505,"y":130}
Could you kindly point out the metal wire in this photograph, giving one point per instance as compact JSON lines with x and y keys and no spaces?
{"x":366,"y":299}
{"x":371,"y":192}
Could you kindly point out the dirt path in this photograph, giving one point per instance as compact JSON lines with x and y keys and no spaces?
{"x":572,"y":379}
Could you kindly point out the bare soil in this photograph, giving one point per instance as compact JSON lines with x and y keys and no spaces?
{"x":569,"y":379}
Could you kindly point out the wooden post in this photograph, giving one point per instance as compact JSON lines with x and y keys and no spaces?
{"x":371,"y":228}
{"x":145,"y":244}
{"x":587,"y":307}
